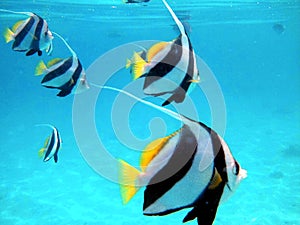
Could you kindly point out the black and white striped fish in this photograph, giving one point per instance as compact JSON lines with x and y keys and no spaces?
{"x":67,"y":74}
{"x":51,"y":146}
{"x":190,"y":168}
{"x":135,"y":1}
{"x":170,"y":68}
{"x":31,"y":35}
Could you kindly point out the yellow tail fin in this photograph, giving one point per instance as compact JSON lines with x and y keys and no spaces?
{"x":8,"y":35}
{"x":128,"y":176}
{"x":138,"y":66}
{"x":128,"y":63}
{"x":40,"y":68}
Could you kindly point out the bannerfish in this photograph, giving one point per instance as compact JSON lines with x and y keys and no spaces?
{"x":170,"y":67}
{"x":191,"y":168}
{"x":31,"y":35}
{"x":135,"y":1}
{"x":67,"y":75}
{"x":51,"y":146}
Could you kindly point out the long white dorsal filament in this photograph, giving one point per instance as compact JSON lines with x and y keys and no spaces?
{"x":65,"y":42}
{"x":177,"y":21}
{"x":164,"y":110}
{"x":14,"y":12}
{"x":45,"y":124}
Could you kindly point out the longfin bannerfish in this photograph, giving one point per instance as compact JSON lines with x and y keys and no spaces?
{"x":51,"y":146}
{"x":190,"y":168}
{"x":135,"y":1}
{"x":170,"y":67}
{"x":67,"y":75}
{"x":31,"y":35}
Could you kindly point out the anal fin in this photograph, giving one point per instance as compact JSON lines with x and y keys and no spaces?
{"x":205,"y":215}
{"x":55,"y":157}
{"x":31,"y":52}
{"x":205,"y":208}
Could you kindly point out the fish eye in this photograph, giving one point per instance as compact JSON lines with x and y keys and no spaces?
{"x":236,"y":168}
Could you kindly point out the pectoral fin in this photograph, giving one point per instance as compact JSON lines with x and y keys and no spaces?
{"x":215,"y":181}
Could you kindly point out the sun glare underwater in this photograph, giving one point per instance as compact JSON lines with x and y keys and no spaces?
{"x":150,"y":112}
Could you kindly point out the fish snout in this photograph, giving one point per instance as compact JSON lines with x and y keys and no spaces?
{"x":242,"y":174}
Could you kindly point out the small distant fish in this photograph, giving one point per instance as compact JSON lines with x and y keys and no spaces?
{"x":51,"y":146}
{"x":169,"y":67}
{"x":31,"y":35}
{"x":191,"y":168}
{"x":135,"y":1}
{"x":278,"y":28}
{"x":67,"y":75}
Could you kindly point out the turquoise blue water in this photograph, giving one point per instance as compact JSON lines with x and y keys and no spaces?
{"x":256,"y":65}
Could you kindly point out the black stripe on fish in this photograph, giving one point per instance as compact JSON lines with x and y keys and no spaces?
{"x":180,"y":92}
{"x":167,"y":177}
{"x":50,"y":146}
{"x":22,"y":34}
{"x":35,"y":43}
{"x":166,"y":65}
{"x":61,"y":70}
{"x":67,"y":88}
{"x":205,"y":207}
{"x":219,"y":160}
{"x":55,"y":156}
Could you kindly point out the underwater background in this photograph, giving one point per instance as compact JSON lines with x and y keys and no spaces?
{"x":252,"y":48}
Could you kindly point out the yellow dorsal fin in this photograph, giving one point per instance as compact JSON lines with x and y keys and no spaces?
{"x":8,"y":35}
{"x":128,"y":176}
{"x":40,"y":68}
{"x":156,"y":49}
{"x":46,"y":142}
{"x":17,"y":25}
{"x":215,"y":181}
{"x":43,"y":149}
{"x":138,"y":66}
{"x":128,"y":63}
{"x":54,"y":61}
{"x":153,"y":148}
{"x":41,"y":152}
